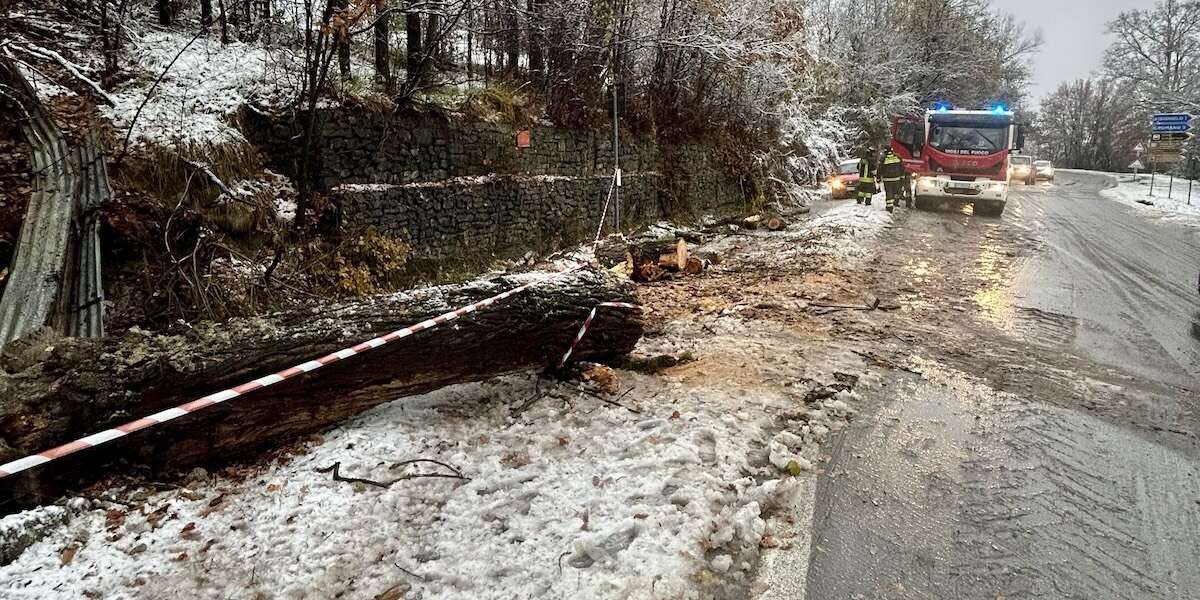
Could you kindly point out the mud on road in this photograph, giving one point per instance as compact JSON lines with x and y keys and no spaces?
{"x":1041,"y":439}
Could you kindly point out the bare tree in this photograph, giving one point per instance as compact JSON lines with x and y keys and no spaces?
{"x":1090,"y":124}
{"x":433,"y":35}
{"x":1158,"y":50}
{"x":536,"y":39}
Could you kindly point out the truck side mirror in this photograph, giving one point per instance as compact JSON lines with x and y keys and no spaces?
{"x":1019,"y":143}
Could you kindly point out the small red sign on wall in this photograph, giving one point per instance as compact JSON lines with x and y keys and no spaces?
{"x":522,"y":138}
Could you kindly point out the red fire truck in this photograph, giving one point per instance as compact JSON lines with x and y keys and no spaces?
{"x":958,"y":156}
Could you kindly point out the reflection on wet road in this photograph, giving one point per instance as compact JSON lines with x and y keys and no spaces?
{"x":1048,"y":448}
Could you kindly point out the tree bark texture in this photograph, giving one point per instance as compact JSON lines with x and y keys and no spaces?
{"x":54,"y":391}
{"x":537,"y":41}
{"x":412,"y":31}
{"x":165,"y":14}
{"x":342,"y":37}
{"x":383,"y":58}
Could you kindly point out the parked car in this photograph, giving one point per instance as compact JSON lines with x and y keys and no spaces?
{"x":1020,"y":168}
{"x":1043,"y":169}
{"x":844,"y":183}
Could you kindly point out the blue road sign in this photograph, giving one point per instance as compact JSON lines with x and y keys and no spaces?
{"x":1171,"y":127}
{"x":1171,"y":118}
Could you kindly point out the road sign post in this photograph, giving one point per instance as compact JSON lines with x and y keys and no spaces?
{"x":1169,"y":132}
{"x":1190,"y":182}
{"x":1191,"y":173}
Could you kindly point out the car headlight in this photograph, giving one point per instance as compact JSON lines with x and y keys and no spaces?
{"x":837,"y":184}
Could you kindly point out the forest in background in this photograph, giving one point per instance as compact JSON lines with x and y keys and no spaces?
{"x":1152,"y":66}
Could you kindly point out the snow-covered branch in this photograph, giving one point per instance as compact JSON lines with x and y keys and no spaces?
{"x":73,"y":69}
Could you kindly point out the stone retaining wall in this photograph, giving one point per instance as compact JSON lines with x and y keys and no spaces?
{"x":456,"y":188}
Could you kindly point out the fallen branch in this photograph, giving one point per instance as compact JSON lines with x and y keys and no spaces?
{"x":154,"y":86}
{"x":409,"y":573}
{"x":338,"y":476}
{"x":616,"y":402}
{"x":69,"y":67}
{"x":457,"y":473}
{"x":212,"y":177}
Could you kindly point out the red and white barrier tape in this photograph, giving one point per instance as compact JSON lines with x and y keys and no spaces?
{"x":108,"y":435}
{"x":588,"y":323}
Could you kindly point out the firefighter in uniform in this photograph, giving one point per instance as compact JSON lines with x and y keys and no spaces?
{"x":891,"y":171}
{"x":866,"y":178}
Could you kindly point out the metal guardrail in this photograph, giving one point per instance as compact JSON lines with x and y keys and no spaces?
{"x":54,"y":280}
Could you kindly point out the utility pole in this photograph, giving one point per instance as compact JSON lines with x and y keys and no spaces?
{"x":615,"y":61}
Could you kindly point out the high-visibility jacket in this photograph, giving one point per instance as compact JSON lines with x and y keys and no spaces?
{"x":865,"y":174}
{"x":892,"y":169}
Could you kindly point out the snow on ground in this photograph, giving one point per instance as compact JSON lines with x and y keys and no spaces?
{"x":571,"y":498}
{"x":1173,"y":207}
{"x":839,"y":229}
{"x":668,"y":491}
{"x":846,"y":229}
{"x":197,"y":97}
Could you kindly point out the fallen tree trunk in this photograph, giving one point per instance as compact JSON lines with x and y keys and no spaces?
{"x":78,"y":387}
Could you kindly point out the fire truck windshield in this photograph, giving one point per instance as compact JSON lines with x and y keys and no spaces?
{"x":958,"y":139}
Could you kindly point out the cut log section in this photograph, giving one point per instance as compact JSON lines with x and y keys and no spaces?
{"x":676,"y":258}
{"x":52,"y":393}
{"x":652,"y":259}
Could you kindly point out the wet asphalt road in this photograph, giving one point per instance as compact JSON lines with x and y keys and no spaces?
{"x":1128,"y":283}
{"x":1048,"y":447}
